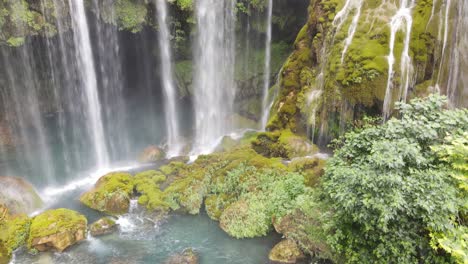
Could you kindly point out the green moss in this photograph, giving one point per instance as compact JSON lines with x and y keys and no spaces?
{"x":13,"y":233}
{"x":215,"y":204}
{"x":311,"y":168}
{"x":147,"y":185}
{"x":130,"y":15}
{"x":111,"y":193}
{"x":55,"y":221}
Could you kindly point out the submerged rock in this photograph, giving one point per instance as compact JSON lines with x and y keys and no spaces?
{"x":188,"y":256}
{"x":19,"y":196}
{"x":57,"y":230}
{"x":111,"y":193}
{"x":151,"y":154}
{"x":286,"y":251}
{"x":103,"y":226}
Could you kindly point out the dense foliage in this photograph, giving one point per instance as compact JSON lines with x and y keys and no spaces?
{"x":391,"y":186}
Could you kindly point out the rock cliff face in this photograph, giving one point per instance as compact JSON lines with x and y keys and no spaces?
{"x":340,"y":67}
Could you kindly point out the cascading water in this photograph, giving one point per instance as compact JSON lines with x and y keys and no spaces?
{"x":214,"y":77}
{"x":110,"y":83}
{"x":402,"y":20}
{"x":88,"y":78}
{"x":453,"y":62}
{"x":170,"y":92}
{"x":23,"y":110}
{"x":357,"y":5}
{"x":458,"y":73}
{"x":266,"y":105}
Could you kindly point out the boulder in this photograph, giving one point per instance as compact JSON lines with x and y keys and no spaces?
{"x":151,"y":154}
{"x":19,"y":196}
{"x":103,"y":226}
{"x":188,"y":256}
{"x":286,"y":251}
{"x":111,"y":193}
{"x":57,"y":230}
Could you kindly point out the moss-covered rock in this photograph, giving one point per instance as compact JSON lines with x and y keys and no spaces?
{"x":284,"y":144}
{"x":14,"y":232}
{"x":147,"y":186}
{"x":244,"y":219}
{"x":111,"y":193}
{"x":19,"y":196}
{"x":215,"y":204}
{"x":286,"y":251}
{"x":312,"y":168}
{"x":56,"y":230}
{"x":103,"y":226}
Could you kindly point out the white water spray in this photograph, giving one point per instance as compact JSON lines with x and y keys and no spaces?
{"x":357,"y":5}
{"x":87,"y":74}
{"x":266,"y":80}
{"x":214,"y":77}
{"x":170,"y":92}
{"x":402,"y":20}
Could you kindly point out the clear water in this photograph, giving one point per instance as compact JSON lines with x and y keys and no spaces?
{"x":142,"y":241}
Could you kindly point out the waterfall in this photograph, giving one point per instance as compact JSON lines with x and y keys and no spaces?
{"x":23,"y":110}
{"x":170,"y":92}
{"x":458,"y":64}
{"x":402,"y":20}
{"x":87,"y":75}
{"x":266,"y":80}
{"x":110,"y":83}
{"x":355,"y":4}
{"x":214,"y":86}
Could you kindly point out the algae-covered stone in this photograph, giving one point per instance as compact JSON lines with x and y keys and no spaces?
{"x":286,"y":251}
{"x":188,"y":256}
{"x":152,"y":154}
{"x":57,"y":230}
{"x":103,"y":226}
{"x":111,"y":193}
{"x":19,"y":196}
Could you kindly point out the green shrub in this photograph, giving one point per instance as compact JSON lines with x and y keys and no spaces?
{"x":388,"y":190}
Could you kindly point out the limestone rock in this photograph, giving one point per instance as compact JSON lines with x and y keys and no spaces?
{"x":103,"y":226}
{"x":19,"y":196}
{"x":57,"y":230}
{"x":286,"y":251}
{"x":188,"y":256}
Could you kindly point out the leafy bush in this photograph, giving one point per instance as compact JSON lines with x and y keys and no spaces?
{"x":388,"y":190}
{"x":262,"y":194}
